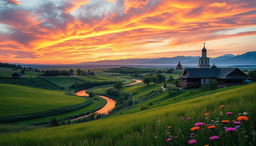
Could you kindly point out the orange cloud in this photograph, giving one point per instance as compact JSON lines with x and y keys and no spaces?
{"x":128,"y":29}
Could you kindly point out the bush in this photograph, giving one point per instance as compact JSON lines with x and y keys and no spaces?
{"x":118,"y":85}
{"x":252,"y":74}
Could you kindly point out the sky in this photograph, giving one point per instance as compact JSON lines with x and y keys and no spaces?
{"x":74,"y":31}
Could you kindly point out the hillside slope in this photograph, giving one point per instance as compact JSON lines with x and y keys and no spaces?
{"x":18,"y":100}
{"x":146,"y":127}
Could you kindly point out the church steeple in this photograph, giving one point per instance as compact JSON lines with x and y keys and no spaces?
{"x":204,"y":60}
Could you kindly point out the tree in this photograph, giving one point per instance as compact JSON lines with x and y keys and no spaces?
{"x":160,"y":78}
{"x":22,"y":71}
{"x":252,"y":74}
{"x":147,"y":80}
{"x":171,"y":79}
{"x":54,"y":122}
{"x":118,"y":85}
{"x":176,"y":82}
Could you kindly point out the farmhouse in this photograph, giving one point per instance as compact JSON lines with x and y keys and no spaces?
{"x":204,"y":74}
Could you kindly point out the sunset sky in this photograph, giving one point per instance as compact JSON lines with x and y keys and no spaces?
{"x":73,"y":31}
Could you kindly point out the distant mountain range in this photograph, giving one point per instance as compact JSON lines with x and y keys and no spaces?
{"x":248,"y":58}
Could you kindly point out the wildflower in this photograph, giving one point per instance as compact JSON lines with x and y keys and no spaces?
{"x":229,"y":113}
{"x":206,"y":114}
{"x":237,"y":126}
{"x":195,"y":128}
{"x":189,"y":118}
{"x":199,"y":124}
{"x":214,"y":137}
{"x":182,"y":118}
{"x":169,"y":139}
{"x":236,"y":122}
{"x":242,"y":118}
{"x":222,"y":106}
{"x":192,"y":141}
{"x":225,"y":121}
{"x":245,"y":113}
{"x":211,"y":127}
{"x":230,"y":129}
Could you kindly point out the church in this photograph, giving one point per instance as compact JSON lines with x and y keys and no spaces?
{"x":204,"y":74}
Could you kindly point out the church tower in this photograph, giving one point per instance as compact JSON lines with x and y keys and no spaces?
{"x":204,"y":60}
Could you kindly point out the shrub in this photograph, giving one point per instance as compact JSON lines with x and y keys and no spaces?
{"x":252,"y":74}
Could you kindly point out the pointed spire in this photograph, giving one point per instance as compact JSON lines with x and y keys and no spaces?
{"x":204,"y":45}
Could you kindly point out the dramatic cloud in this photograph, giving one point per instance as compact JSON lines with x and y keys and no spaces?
{"x":62,"y":31}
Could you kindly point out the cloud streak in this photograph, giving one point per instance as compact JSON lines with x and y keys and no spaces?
{"x":90,"y":30}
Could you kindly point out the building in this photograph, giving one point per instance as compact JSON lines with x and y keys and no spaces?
{"x":17,"y":75}
{"x":179,"y":66}
{"x":204,"y":75}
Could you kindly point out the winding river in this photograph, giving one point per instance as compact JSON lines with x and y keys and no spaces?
{"x":108,"y":107}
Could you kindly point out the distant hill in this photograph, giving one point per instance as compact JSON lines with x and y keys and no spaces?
{"x":248,"y":58}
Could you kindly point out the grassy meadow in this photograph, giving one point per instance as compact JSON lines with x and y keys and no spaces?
{"x":154,"y":126}
{"x":18,"y":100}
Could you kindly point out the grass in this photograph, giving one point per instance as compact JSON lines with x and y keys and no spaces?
{"x":64,"y":82}
{"x":18,"y":100}
{"x":148,"y":127}
{"x":141,"y":90}
{"x":35,"y":82}
{"x":7,"y":72}
{"x":97,"y":102}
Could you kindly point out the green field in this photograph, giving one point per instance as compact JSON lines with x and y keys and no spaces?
{"x":36,"y":82}
{"x":18,"y":100}
{"x":64,"y":82}
{"x":147,"y":127}
{"x":96,"y":104}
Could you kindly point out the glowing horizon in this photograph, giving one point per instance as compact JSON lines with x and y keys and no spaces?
{"x":66,"y":32}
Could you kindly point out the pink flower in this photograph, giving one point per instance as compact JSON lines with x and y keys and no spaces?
{"x":229,"y":113}
{"x":169,"y":139}
{"x":230,"y":129}
{"x":199,"y":124}
{"x":189,"y":118}
{"x":236,"y":122}
{"x":214,"y":137}
{"x":192,"y":141}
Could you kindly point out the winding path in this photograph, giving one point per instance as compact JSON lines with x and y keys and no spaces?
{"x":107,"y":108}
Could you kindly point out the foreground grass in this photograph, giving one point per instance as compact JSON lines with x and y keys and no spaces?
{"x":146,"y":127}
{"x":18,"y":100}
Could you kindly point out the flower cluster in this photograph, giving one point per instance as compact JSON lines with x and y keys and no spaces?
{"x":217,"y":126}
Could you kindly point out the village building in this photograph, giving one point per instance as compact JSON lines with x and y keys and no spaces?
{"x":179,"y":66}
{"x":204,"y":74}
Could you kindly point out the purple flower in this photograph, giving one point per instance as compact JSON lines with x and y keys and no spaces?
{"x":199,"y":124}
{"x":182,"y":118}
{"x":189,"y":118}
{"x":237,"y":126}
{"x":229,"y":113}
{"x":214,"y":137}
{"x":236,"y":122}
{"x":192,"y":141}
{"x":230,"y":129}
